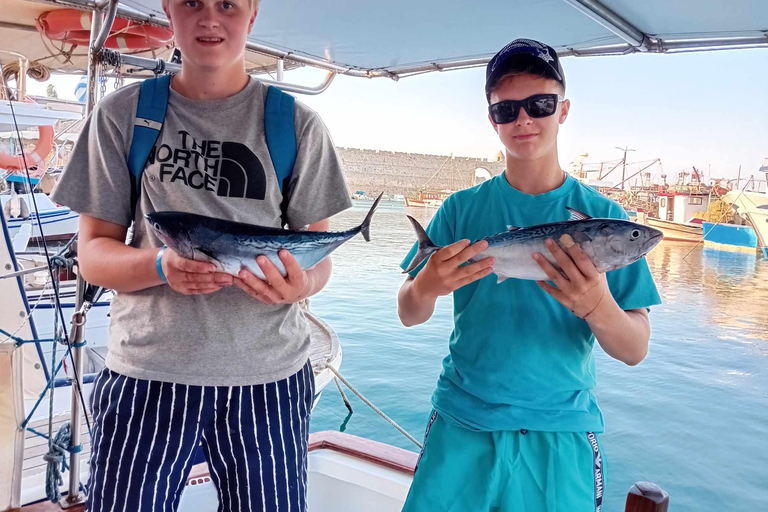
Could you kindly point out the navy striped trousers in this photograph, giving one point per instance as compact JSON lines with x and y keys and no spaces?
{"x":146,"y":434}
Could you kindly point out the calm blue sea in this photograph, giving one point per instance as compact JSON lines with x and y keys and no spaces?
{"x":693,"y":417}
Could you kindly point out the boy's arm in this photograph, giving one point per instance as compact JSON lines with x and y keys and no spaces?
{"x":105,"y":260}
{"x":624,"y":335}
{"x":441,"y":275}
{"x":296,"y":285}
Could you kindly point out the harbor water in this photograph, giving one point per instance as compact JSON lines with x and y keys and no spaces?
{"x":692,"y":417}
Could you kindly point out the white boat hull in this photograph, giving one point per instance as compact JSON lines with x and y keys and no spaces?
{"x":676,"y":232}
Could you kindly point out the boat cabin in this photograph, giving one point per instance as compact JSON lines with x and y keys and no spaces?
{"x":681,"y":207}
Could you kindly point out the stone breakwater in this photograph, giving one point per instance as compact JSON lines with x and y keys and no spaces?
{"x":403,"y":173}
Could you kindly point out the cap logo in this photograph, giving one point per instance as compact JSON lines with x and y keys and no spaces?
{"x":545,"y":56}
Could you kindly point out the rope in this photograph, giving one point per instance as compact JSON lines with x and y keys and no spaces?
{"x":52,"y":474}
{"x":375,"y":409}
{"x":56,"y":459}
{"x":36,"y":71}
{"x":343,"y":396}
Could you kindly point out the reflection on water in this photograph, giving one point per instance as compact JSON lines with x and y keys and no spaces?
{"x":693,"y":417}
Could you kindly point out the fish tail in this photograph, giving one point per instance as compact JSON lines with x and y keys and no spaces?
{"x":425,"y":247}
{"x":365,"y":227}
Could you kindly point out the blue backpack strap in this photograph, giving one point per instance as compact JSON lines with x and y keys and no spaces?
{"x":281,"y":139}
{"x":150,"y":115}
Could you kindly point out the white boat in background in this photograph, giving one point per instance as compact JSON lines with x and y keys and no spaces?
{"x":673,"y":231}
{"x":59,"y":222}
{"x":29,"y":115}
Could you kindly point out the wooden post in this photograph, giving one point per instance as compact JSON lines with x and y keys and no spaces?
{"x":647,"y":497}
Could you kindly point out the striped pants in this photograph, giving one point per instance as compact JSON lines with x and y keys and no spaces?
{"x":146,"y":434}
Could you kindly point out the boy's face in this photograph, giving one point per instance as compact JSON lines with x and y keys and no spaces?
{"x":210,"y":33}
{"x":528,"y":138}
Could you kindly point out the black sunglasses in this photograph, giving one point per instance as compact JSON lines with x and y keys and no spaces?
{"x":538,"y":105}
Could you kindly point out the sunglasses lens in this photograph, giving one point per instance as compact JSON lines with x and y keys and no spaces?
{"x":504,"y":112}
{"x":542,"y":105}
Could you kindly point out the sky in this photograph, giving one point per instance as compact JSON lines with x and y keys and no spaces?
{"x":704,"y":109}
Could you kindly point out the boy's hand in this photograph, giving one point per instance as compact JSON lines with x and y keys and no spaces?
{"x":192,"y":277}
{"x":443,"y":272}
{"x":276,"y":289}
{"x":582,"y":288}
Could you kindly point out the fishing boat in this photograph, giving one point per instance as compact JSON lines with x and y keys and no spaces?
{"x":680,"y":209}
{"x":751,"y":207}
{"x":428,"y":199}
{"x":345,"y":473}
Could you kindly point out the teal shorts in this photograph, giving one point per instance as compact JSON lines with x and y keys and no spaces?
{"x":510,"y":471}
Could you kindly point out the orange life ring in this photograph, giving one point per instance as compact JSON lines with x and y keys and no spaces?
{"x":33,"y":158}
{"x":74,"y":27}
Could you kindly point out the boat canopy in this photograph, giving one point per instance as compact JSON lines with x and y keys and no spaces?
{"x":397,"y":38}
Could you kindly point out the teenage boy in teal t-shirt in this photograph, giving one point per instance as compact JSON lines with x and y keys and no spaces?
{"x":515,"y":425}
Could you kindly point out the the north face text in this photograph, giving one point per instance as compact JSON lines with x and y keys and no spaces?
{"x":228,"y":169}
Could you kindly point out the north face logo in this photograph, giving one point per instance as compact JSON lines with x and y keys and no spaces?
{"x":228,"y":169}
{"x":241,"y":173}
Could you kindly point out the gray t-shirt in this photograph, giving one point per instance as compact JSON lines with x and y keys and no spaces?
{"x":211,"y":159}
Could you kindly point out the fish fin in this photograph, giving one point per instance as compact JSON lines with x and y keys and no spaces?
{"x":510,"y":227}
{"x":365,"y":227}
{"x":213,"y":259}
{"x":577,"y":215}
{"x":425,"y":247}
{"x":500,"y":279}
{"x":580,"y":237}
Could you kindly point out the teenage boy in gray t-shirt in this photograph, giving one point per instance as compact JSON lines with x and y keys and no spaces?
{"x":196,"y":355}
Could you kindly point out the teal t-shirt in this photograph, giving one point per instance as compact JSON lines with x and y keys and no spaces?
{"x":517,"y":358}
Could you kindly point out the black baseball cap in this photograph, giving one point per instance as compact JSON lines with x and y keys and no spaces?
{"x":523,"y":54}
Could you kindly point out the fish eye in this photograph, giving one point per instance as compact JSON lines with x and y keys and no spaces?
{"x":634,"y":234}
{"x":157,"y":226}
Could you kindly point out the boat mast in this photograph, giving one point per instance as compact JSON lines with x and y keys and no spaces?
{"x":101,"y":25}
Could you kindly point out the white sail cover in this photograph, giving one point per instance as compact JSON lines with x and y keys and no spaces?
{"x":11,"y":436}
{"x":14,"y":318}
{"x":398,"y":37}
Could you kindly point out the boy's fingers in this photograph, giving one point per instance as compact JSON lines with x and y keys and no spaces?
{"x":217,"y":277}
{"x":564,"y":260}
{"x":554,"y":275}
{"x":475,"y":267}
{"x":268,"y":294}
{"x":186,"y":265}
{"x":469,"y":252}
{"x":249,"y":279}
{"x":223,"y":279}
{"x":450,"y":251}
{"x":554,"y":292}
{"x":202,"y":289}
{"x":292,"y":267}
{"x":250,"y":291}
{"x":271,"y":273}
{"x":472,"y":278}
{"x":583,"y":262}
